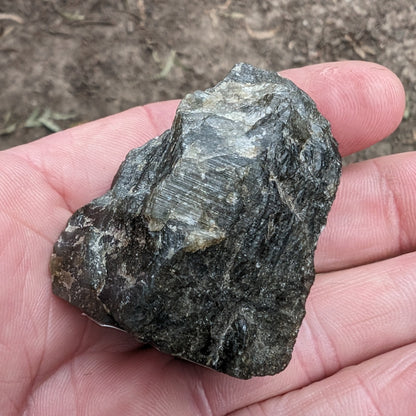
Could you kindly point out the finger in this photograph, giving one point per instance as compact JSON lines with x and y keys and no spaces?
{"x":373,"y":216}
{"x":364,"y":102}
{"x":383,"y":385}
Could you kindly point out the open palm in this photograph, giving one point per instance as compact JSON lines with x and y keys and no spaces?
{"x":356,"y":350}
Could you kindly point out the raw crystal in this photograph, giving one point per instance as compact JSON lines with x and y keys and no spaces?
{"x":204,"y":245}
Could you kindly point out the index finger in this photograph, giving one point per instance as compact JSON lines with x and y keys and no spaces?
{"x":363,"y":101}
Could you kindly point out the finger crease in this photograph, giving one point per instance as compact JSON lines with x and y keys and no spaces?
{"x":393,"y":215}
{"x":200,"y":398}
{"x":329,"y":342}
{"x":368,"y":395}
{"x":45,"y":176}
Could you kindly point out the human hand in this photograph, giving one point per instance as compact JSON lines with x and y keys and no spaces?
{"x":356,"y":350}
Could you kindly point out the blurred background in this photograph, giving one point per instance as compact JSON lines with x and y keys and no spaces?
{"x":67,"y":62}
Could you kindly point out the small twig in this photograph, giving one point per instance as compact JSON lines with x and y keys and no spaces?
{"x":129,"y":13}
{"x":142,"y":12}
{"x":56,"y":33}
{"x":93,"y":22}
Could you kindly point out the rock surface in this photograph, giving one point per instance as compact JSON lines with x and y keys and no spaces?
{"x":204,"y":245}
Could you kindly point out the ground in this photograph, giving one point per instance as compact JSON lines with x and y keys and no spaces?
{"x":67,"y":62}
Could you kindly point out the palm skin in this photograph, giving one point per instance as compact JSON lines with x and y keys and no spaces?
{"x":356,"y":350}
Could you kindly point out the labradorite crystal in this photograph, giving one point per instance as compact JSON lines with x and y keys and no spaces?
{"x":204,"y":245}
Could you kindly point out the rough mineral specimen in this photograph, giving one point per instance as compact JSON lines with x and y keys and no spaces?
{"x":204,"y":245}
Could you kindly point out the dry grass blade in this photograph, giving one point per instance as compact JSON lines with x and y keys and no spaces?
{"x":406,"y":113}
{"x":32,"y":120}
{"x":7,"y":31}
{"x":8,"y":128}
{"x":170,"y":61}
{"x":261,"y":34}
{"x":73,"y":17}
{"x":11,"y":16}
{"x":226,"y":5}
{"x":359,"y":51}
{"x":47,"y":119}
{"x":142,"y":12}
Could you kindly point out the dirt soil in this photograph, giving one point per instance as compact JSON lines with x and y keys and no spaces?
{"x":67,"y":62}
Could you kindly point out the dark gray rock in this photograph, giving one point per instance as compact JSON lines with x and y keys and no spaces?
{"x":204,"y":245}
